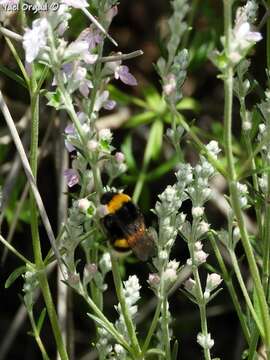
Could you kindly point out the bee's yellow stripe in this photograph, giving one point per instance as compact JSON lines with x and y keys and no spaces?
{"x":121,"y":243}
{"x":116,"y":203}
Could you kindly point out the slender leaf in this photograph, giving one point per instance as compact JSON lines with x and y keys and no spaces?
{"x":154,"y":142}
{"x":127,"y":151}
{"x":175,"y":350}
{"x":188,"y":103}
{"x":153,"y":99}
{"x":12,"y":75}
{"x":156,"y":352}
{"x":163,"y":169}
{"x":41,"y":320}
{"x":140,"y":119}
{"x":14,"y":276}
{"x":124,"y":99}
{"x":101,"y":323}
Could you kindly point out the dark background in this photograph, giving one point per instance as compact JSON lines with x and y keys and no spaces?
{"x":137,"y":26}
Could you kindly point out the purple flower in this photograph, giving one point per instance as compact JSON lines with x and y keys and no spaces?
{"x":69,"y":146}
{"x":122,"y":73}
{"x":70,"y":130}
{"x":80,"y":78}
{"x":109,"y":105}
{"x":102,"y":100}
{"x":72,"y":177}
{"x":119,"y":157}
{"x":91,"y":36}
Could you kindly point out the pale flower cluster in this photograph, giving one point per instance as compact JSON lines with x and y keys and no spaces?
{"x":205,"y":341}
{"x":243,"y":34}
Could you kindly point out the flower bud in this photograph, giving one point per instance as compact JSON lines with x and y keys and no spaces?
{"x":83,"y":204}
{"x":212,"y":282}
{"x":92,"y":145}
{"x":153,"y":280}
{"x":246,"y":85}
{"x":197,"y":211}
{"x":163,"y":255}
{"x":105,"y":134}
{"x":246,"y":125}
{"x":203,"y":227}
{"x":190,"y":285}
{"x":169,"y":275}
{"x":119,"y":157}
{"x":205,"y":341}
{"x":74,"y":280}
{"x":200,"y":257}
{"x":89,"y":272}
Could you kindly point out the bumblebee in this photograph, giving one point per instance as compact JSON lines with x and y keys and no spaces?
{"x":125,"y":226}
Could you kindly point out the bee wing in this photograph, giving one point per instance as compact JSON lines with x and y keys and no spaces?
{"x":141,"y":242}
{"x":144,"y":247}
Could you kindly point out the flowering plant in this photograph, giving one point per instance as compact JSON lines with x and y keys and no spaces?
{"x":70,"y":72}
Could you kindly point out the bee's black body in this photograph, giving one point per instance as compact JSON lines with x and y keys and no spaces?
{"x":124,"y":223}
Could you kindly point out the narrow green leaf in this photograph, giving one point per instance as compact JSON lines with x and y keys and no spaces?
{"x":140,"y":119}
{"x":188,"y":103}
{"x":162,"y":169}
{"x":153,"y":99}
{"x":114,"y":332}
{"x":154,"y":142}
{"x":159,"y":352}
{"x":175,"y":350}
{"x":128,"y":152}
{"x":189,"y":296}
{"x":118,"y":95}
{"x":12,"y":75}
{"x":41,"y":320}
{"x":55,"y":99}
{"x":14,"y":276}
{"x":257,"y":307}
{"x":214,"y":294}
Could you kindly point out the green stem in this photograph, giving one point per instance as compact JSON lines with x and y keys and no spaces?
{"x":202,"y":307}
{"x":252,"y":351}
{"x":152,"y":328}
{"x":252,"y":263}
{"x":37,"y":337}
{"x":228,"y":281}
{"x":124,"y":308}
{"x":97,"y":179}
{"x":266,"y":244}
{"x":119,"y":338}
{"x":96,"y":294}
{"x":214,"y":162}
{"x":244,"y":116}
{"x":34,"y":225}
{"x":191,"y":17}
{"x":138,"y":187}
{"x":245,"y":292}
{"x":242,"y":172}
{"x":228,"y":89}
{"x":165,"y":326}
